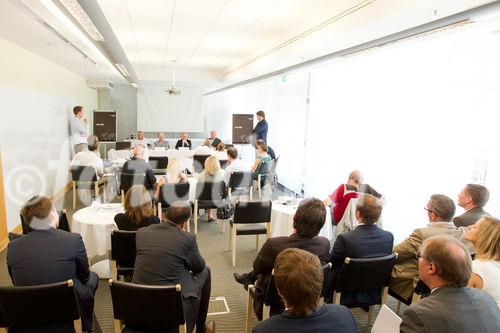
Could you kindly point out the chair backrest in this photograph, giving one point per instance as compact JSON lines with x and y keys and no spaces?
{"x":240,"y":179}
{"x":199,"y":162}
{"x":123,"y":145}
{"x":33,"y":306}
{"x":169,"y":193}
{"x":147,"y":307}
{"x":266,"y":167}
{"x":209,"y":191}
{"x":158,"y":162}
{"x":63,"y":221}
{"x":123,"y":247}
{"x":387,"y":321}
{"x":223,"y":164}
{"x":127,"y":180}
{"x":83,"y":173}
{"x":354,"y":272}
{"x":25,"y":227}
{"x":13,"y":235}
{"x":252,"y":212}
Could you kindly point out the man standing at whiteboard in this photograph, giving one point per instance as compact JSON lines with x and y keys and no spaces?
{"x":260,"y":129}
{"x":79,"y":129}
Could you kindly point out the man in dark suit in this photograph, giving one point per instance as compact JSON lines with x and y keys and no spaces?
{"x":167,"y":255}
{"x":299,"y":279}
{"x":137,"y":165}
{"x":184,"y":142}
{"x":49,"y":255}
{"x":472,"y":199}
{"x":214,"y":140}
{"x":445,"y":266}
{"x":260,"y":130}
{"x":366,"y":241}
{"x":307,"y":222}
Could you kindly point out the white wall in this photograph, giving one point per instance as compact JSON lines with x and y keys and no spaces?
{"x":37,"y":99}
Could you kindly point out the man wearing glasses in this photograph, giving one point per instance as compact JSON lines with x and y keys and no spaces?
{"x":440,"y":211}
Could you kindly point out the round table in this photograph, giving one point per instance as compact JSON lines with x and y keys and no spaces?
{"x":282,"y":220}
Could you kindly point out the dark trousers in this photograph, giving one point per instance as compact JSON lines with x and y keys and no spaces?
{"x":196,"y":309}
{"x":86,"y":294}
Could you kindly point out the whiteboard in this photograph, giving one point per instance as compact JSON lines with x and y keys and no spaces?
{"x":157,"y":111}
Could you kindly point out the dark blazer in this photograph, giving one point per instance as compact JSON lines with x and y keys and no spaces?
{"x":216,"y":142}
{"x":366,"y":241}
{"x":469,"y":217}
{"x":327,"y":318}
{"x":50,"y":256}
{"x":179,"y":144}
{"x":260,"y":130}
{"x":123,"y":222}
{"x":450,"y":309}
{"x":140,"y":166}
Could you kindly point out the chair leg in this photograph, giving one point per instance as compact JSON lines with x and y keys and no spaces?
{"x":266,"y":310}
{"x":398,"y":308}
{"x":268,"y":230}
{"x":114,"y":271}
{"x":96,"y":190}
{"x":259,"y":187}
{"x":257,"y":242}
{"x":233,"y":248}
{"x":370,"y":314}
{"x":249,"y":309}
{"x":74,"y":194}
{"x":123,"y":198}
{"x":336,"y":297}
{"x":195,"y":217}
{"x":118,"y":326}
{"x":182,"y":328}
{"x":77,"y":325}
{"x":251,"y":193}
{"x":230,"y":236}
{"x":159,"y":211}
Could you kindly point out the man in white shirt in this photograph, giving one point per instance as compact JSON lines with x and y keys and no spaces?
{"x":203,"y":149}
{"x":140,"y":140}
{"x":90,"y":157}
{"x":234,"y":163}
{"x":79,"y":129}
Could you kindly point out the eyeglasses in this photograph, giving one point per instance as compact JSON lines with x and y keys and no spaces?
{"x":430,"y":210}
{"x":418,"y":255}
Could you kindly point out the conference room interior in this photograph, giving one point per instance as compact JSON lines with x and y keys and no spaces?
{"x":407,"y":93}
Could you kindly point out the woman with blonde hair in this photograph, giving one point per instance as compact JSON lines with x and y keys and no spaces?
{"x":211,"y":173}
{"x":138,"y":210}
{"x":174,"y":172}
{"x":485,"y":235}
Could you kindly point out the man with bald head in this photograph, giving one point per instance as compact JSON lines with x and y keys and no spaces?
{"x":445,"y":266}
{"x":214,"y":140}
{"x":183,"y":142}
{"x":137,"y":165}
{"x":345,"y":192}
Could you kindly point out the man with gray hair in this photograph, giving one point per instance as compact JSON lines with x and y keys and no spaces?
{"x":137,"y":165}
{"x":472,"y":199}
{"x":445,"y":266}
{"x":440,"y":210}
{"x":90,"y":157}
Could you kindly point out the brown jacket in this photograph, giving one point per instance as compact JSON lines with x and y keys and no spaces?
{"x":405,"y":273}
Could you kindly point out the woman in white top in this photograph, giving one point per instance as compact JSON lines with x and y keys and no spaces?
{"x":211,"y":173}
{"x":174,"y":172}
{"x":485,"y":235}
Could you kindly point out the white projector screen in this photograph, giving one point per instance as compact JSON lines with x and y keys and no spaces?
{"x":157,"y":111}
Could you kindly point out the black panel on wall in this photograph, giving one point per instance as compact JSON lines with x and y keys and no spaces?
{"x":105,"y":125}
{"x":242,"y":128}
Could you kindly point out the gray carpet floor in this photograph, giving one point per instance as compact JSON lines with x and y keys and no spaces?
{"x":213,"y":245}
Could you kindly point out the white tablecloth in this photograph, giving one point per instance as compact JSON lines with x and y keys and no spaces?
{"x":282,"y":221}
{"x":95,"y":225}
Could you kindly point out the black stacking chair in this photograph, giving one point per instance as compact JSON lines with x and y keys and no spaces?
{"x":360,"y":275}
{"x":250,"y":218}
{"x":142,"y":308}
{"x":241,"y":183}
{"x":122,"y":253}
{"x":170,"y":193}
{"x":13,"y":235}
{"x":85,"y":177}
{"x":263,"y":175}
{"x":208,"y":196}
{"x":63,"y":223}
{"x":159,"y":164}
{"x":123,"y":145}
{"x":50,"y":307}
{"x":127,"y":180}
{"x":199,"y":163}
{"x":223,"y":164}
{"x":421,"y":290}
{"x":25,"y":227}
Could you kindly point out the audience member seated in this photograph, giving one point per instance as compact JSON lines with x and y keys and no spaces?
{"x":49,"y":255}
{"x":307,"y":223}
{"x":137,"y":165}
{"x":138,"y":210}
{"x":234,"y":163}
{"x":345,"y":192}
{"x":472,"y":199}
{"x":221,"y":147}
{"x":183,"y":142}
{"x":445,"y":266}
{"x":214,"y":140}
{"x":220,"y":151}
{"x":440,"y":210}
{"x":204,"y":149}
{"x":175,"y":173}
{"x":211,"y":173}
{"x":485,"y":235}
{"x":299,"y":278}
{"x":161,"y":142}
{"x":366,"y":241}
{"x":270,"y":151}
{"x":261,"y":157}
{"x":167,"y":255}
{"x":139,"y":140}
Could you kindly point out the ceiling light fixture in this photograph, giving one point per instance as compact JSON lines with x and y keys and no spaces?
{"x":123,"y":69}
{"x":83,"y":19}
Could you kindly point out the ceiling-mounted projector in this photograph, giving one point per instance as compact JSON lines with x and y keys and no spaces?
{"x":173,"y":90}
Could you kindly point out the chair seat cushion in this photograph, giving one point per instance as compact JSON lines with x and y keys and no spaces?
{"x":250,"y":229}
{"x":208,"y":204}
